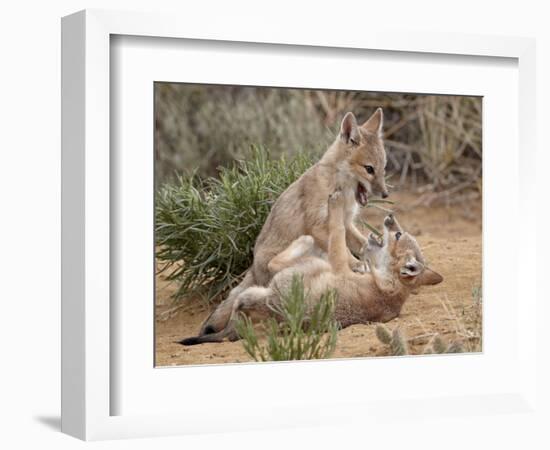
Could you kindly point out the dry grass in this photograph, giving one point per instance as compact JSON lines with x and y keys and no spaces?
{"x":465,"y":332}
{"x":434,"y":142}
{"x":468,"y":322}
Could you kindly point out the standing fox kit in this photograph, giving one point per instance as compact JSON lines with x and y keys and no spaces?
{"x":355,"y":162}
{"x":397,"y":267}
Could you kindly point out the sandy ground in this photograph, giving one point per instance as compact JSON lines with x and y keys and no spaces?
{"x":450,"y":238}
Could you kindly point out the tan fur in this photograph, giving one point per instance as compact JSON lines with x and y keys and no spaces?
{"x":302,"y":208}
{"x":397,"y":267}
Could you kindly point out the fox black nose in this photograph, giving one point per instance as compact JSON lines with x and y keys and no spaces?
{"x":384,"y":194}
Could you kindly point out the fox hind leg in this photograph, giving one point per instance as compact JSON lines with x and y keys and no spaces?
{"x":218,"y":319}
{"x":299,"y":248}
{"x":254,"y":302}
{"x":258,"y":303}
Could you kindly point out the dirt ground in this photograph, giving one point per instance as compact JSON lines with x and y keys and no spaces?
{"x":450,"y":238}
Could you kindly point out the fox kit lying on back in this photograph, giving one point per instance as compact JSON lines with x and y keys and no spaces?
{"x":396,"y":265}
{"x":356,"y":163}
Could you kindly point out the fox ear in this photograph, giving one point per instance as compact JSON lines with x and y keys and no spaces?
{"x":375,"y":122}
{"x":430,"y":277}
{"x":348,"y":129}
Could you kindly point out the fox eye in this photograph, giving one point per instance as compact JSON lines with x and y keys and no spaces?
{"x":397,"y":235}
{"x":369,"y":169}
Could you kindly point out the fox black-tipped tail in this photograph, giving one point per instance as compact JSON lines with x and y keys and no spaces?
{"x":191,"y":341}
{"x":213,"y":337}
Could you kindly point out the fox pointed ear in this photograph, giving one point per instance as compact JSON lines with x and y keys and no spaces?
{"x":348,"y":129}
{"x":430,"y":277}
{"x":375,"y":123}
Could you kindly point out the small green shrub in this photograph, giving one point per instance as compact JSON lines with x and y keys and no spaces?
{"x":206,"y":228}
{"x":301,"y":331}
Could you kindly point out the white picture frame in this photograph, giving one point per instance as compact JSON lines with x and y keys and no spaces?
{"x":88,"y":325}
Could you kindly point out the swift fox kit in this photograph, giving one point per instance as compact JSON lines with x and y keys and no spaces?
{"x":356,"y":163}
{"x":397,"y":267}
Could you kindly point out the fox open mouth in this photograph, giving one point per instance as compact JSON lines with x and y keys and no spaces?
{"x":361,"y":194}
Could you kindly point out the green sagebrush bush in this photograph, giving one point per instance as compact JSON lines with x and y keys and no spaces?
{"x":206,"y":227}
{"x":302,"y":330}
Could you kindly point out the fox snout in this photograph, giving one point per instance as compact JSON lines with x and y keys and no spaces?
{"x":380,"y":188}
{"x":376,"y":188}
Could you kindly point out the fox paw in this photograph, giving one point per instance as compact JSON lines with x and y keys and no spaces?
{"x":358,"y":267}
{"x":304,"y":243}
{"x":336,"y":201}
{"x":374,"y":240}
{"x":389,"y":221}
{"x":335,"y":196}
{"x":306,"y":239}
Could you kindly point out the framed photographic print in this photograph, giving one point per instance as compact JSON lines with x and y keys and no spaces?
{"x":249,"y":217}
{"x":260,"y":226}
